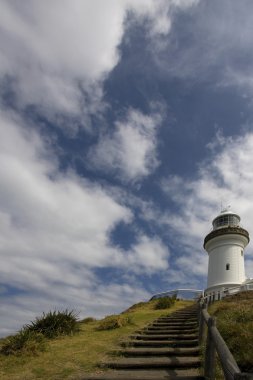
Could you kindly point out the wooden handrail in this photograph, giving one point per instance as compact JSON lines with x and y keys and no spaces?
{"x":215,"y":343}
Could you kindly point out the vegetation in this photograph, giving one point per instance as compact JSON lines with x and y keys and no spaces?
{"x":235,"y":323}
{"x":31,"y":338}
{"x":68,"y":357}
{"x":164,"y":303}
{"x":114,"y":322}
{"x":25,"y":342}
{"x":55,"y":323}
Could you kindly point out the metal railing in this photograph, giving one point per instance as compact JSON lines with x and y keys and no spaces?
{"x":216,"y":344}
{"x":174,"y":292}
{"x":217,"y":295}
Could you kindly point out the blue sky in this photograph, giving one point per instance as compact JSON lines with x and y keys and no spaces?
{"x":124,"y":127}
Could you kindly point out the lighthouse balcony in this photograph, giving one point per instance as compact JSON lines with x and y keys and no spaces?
{"x":226,"y":231}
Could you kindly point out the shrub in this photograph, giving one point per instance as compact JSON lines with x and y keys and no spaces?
{"x":24,"y":342}
{"x":164,"y":303}
{"x":55,"y":323}
{"x":113,"y":322}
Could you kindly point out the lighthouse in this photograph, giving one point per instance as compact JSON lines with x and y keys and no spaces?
{"x":225,"y":247}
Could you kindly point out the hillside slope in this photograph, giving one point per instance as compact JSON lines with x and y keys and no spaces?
{"x":235,"y":323}
{"x":69,"y":357}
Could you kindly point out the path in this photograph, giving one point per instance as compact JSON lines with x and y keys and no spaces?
{"x":166,"y":349}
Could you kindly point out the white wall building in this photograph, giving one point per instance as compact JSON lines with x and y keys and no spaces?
{"x":225,"y":246}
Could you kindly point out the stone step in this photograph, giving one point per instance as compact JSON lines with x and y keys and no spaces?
{"x":190,"y":314}
{"x":178,"y":320}
{"x":160,"y":343}
{"x":155,"y":362}
{"x":186,"y":312}
{"x":180,"y":314}
{"x":164,"y":337}
{"x":181,"y":320}
{"x":173,"y":329}
{"x":155,"y":331}
{"x":159,"y":351}
{"x":181,"y":374}
{"x":173,"y":324}
{"x":168,"y":348}
{"x":173,"y":315}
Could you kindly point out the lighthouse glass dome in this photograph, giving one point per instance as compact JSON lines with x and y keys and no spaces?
{"x":226,"y":219}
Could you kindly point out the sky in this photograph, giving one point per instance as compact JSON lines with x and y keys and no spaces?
{"x":125,"y":126}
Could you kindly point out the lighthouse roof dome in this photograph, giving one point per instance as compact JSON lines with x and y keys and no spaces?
{"x":226,"y":218}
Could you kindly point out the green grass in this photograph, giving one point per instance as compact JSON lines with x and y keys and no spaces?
{"x":69,"y":357}
{"x":235,"y":323}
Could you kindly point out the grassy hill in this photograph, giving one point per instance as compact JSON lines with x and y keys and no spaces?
{"x":68,"y":357}
{"x":235,"y":323}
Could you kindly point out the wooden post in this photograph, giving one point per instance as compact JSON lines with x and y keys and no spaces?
{"x":210,"y":352}
{"x":228,"y":363}
{"x":201,"y":322}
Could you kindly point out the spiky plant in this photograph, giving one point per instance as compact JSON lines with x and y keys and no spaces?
{"x":55,"y":323}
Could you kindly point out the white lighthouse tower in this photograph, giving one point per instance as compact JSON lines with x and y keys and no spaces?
{"x":225,"y":246}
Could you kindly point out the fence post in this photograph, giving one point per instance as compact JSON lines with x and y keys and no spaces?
{"x":210,"y":351}
{"x":201,"y":322}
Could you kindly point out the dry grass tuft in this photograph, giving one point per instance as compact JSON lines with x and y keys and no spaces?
{"x":114,"y":322}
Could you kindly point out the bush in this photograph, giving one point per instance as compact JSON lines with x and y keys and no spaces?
{"x":25,"y":342}
{"x":55,"y":323}
{"x":164,"y":303}
{"x":113,"y":322}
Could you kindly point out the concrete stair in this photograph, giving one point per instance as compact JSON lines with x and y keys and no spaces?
{"x":166,"y":349}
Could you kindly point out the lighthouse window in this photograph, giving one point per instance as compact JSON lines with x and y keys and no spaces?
{"x":226,"y":220}
{"x":227,"y":266}
{"x":241,"y":252}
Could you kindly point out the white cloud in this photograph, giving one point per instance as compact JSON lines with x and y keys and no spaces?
{"x":97,"y":301}
{"x":149,"y":254}
{"x":208,"y":49}
{"x":130,"y":150}
{"x":159,"y":13}
{"x":58,"y":53}
{"x":55,"y":229}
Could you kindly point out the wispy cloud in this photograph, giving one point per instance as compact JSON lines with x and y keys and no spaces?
{"x":213,"y":47}
{"x":130,"y":150}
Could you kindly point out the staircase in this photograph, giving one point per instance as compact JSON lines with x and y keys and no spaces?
{"x":166,"y":349}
